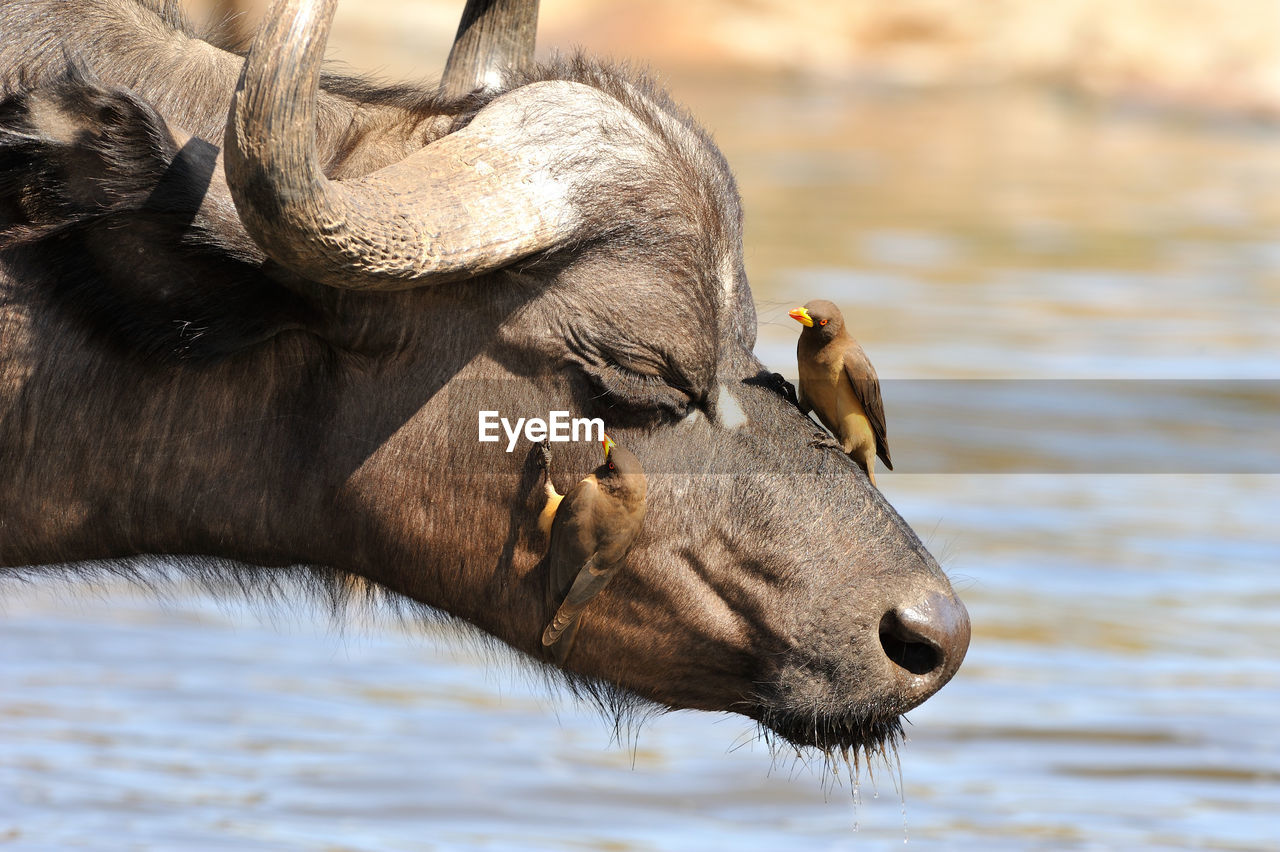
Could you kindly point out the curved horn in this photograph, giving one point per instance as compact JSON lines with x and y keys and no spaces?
{"x":470,"y":202}
{"x":492,"y":34}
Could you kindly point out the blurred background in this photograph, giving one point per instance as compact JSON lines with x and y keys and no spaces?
{"x":1054,"y":229}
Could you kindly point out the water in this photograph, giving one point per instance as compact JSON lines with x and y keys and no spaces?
{"x":1122,"y":685}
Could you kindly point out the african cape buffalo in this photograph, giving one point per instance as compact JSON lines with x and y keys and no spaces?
{"x":248,"y":314}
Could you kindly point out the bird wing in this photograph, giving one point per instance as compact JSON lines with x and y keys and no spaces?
{"x":589,"y":583}
{"x":573,"y":537}
{"x":866,"y":387}
{"x":563,"y":629}
{"x":587,"y":547}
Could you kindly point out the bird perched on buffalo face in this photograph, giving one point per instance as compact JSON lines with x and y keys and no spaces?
{"x":592,"y":527}
{"x":840,"y":385}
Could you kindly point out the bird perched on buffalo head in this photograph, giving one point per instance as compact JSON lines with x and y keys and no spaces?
{"x":840,"y":385}
{"x":592,"y":527}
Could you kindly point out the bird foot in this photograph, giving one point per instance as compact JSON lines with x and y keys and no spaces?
{"x":825,"y":441}
{"x":544,"y":456}
{"x":785,"y":388}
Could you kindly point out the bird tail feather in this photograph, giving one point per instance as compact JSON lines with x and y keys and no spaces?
{"x":560,"y":633}
{"x":562,"y":630}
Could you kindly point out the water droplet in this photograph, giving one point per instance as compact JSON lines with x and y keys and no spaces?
{"x":902,"y":793}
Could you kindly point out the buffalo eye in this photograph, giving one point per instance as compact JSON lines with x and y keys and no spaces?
{"x":638,"y":396}
{"x":632,"y":384}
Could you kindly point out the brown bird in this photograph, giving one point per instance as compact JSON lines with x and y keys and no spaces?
{"x":839,"y":383}
{"x":591,"y":527}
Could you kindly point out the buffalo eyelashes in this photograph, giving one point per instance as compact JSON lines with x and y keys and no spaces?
{"x":642,"y":394}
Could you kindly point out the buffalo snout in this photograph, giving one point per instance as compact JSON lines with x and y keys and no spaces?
{"x":926,"y":640}
{"x":773,"y":579}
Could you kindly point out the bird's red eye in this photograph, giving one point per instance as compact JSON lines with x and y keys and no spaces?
{"x":610,"y":465}
{"x":822,"y":322}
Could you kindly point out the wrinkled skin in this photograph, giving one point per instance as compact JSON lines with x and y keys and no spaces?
{"x":760,"y":579}
{"x":344,"y":435}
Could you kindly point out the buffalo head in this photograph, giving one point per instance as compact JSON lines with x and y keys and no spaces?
{"x":560,"y":237}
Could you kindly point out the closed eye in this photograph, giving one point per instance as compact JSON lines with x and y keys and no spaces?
{"x":639,"y":394}
{"x":640,"y":384}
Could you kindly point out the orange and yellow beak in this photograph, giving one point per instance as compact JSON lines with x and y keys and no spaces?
{"x":608,"y":445}
{"x":801,"y":316}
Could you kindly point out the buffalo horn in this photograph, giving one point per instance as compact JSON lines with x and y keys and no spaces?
{"x":493,"y":34}
{"x":470,"y":202}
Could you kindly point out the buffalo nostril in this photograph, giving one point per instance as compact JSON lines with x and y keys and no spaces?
{"x":931,"y":636}
{"x":905,"y":648}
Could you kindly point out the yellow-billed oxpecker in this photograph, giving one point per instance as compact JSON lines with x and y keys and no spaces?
{"x":840,"y":385}
{"x":591,"y":528}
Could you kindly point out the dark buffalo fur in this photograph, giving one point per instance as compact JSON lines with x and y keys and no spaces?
{"x":117,"y":211}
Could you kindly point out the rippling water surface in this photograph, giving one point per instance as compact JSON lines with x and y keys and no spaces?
{"x":1122,"y":687}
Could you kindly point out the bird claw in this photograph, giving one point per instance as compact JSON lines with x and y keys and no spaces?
{"x":777,"y":383}
{"x":825,"y":441}
{"x":785,"y":388}
{"x":544,"y":456}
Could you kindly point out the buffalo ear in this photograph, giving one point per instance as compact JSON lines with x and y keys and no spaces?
{"x":137,"y":229}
